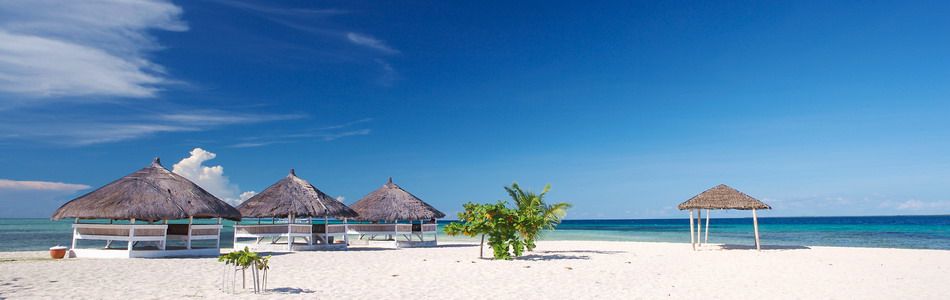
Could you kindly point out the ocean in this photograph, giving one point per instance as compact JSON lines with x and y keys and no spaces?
{"x":914,"y":232}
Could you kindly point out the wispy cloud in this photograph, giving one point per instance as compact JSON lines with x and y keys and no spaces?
{"x":326,"y":133}
{"x":83,"y":48}
{"x":90,"y":130}
{"x":265,"y":9}
{"x":370,"y":42}
{"x":225,"y":118}
{"x":7,"y":184}
{"x":389,"y":75}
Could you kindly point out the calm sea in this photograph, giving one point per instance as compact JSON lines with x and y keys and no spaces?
{"x":919,"y":232}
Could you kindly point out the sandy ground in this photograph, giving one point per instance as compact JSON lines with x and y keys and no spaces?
{"x":558,"y":270}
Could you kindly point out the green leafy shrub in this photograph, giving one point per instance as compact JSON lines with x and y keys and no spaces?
{"x":510,"y":231}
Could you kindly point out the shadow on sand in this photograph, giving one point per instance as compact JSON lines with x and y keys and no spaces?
{"x":586,"y":251}
{"x":456,"y":246}
{"x":290,"y":290}
{"x":764,"y":247}
{"x":367,"y":248}
{"x":546,"y":257}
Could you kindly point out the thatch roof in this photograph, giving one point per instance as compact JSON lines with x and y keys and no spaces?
{"x":723,"y":197}
{"x":152,"y":193}
{"x":293,"y":195}
{"x":390,"y":203}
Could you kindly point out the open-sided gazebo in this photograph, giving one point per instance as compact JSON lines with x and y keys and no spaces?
{"x":720,"y":197}
{"x":297,"y":202}
{"x":389,"y":205}
{"x":137,"y":209}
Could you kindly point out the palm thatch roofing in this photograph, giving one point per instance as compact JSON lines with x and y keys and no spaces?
{"x":723,"y":197}
{"x":391,"y":203}
{"x":152,"y":193}
{"x":294,"y":196}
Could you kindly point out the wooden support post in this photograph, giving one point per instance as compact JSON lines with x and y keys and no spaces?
{"x":310,"y":240}
{"x":217,"y":241}
{"x":699,"y":227}
{"x":692,"y":236}
{"x":706,"y":239}
{"x":290,"y":232}
{"x":75,"y":231}
{"x":165,"y":239}
{"x":755,"y":226}
{"x":131,"y":235}
{"x":346,"y":236}
{"x":326,"y":229}
{"x":188,"y":243}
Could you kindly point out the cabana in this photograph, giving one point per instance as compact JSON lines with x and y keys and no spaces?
{"x":720,"y":197}
{"x":138,"y":208}
{"x":388,"y":205}
{"x":297,"y":202}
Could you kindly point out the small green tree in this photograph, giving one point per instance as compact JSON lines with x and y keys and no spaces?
{"x":534,"y":215}
{"x":510,"y":231}
{"x":495,"y":220}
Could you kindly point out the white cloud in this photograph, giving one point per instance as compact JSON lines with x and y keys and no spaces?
{"x":88,"y":130}
{"x":7,"y":184}
{"x":370,"y":42}
{"x":246,"y":195}
{"x":915,"y":204}
{"x":83,"y":48}
{"x":225,"y":118}
{"x":327,"y":134}
{"x":210,"y":178}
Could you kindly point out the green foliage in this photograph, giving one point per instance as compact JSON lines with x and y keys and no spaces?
{"x":245,"y":259}
{"x":534,"y":214}
{"x":510,"y":231}
{"x":497,"y":221}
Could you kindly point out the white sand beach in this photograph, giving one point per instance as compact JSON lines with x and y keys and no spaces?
{"x":557,"y":270}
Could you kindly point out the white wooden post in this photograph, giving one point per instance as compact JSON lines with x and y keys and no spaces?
{"x":346,"y":229}
{"x":131,"y":235}
{"x":435,"y":236}
{"x":755,"y":226}
{"x":290,"y":232}
{"x":217,"y":241}
{"x":188,"y":243}
{"x":75,"y":231}
{"x":326,"y":229}
{"x":692,"y":236}
{"x":165,"y":236}
{"x":706,"y":239}
{"x":310,"y":240}
{"x":699,"y":227}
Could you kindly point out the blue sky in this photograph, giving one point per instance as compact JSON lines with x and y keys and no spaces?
{"x":626,"y":107}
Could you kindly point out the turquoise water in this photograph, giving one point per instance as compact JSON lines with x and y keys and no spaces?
{"x":918,"y":232}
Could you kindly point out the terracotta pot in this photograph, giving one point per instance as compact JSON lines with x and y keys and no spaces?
{"x":57,"y":252}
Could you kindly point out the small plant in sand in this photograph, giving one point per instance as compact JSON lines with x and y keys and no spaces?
{"x":241,"y":261}
{"x":534,"y":215}
{"x":495,"y":220}
{"x":510,"y":231}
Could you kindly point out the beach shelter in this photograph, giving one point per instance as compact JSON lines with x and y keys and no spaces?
{"x":389,"y":205}
{"x":297,"y":202}
{"x":138,"y":208}
{"x":720,"y":197}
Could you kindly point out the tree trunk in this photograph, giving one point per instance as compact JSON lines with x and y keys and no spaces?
{"x":481,"y":247}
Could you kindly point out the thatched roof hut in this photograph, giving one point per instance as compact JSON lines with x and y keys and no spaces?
{"x":719,"y":197}
{"x":391,"y":203}
{"x":152,"y":193}
{"x":723,"y":197}
{"x":294,"y":196}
